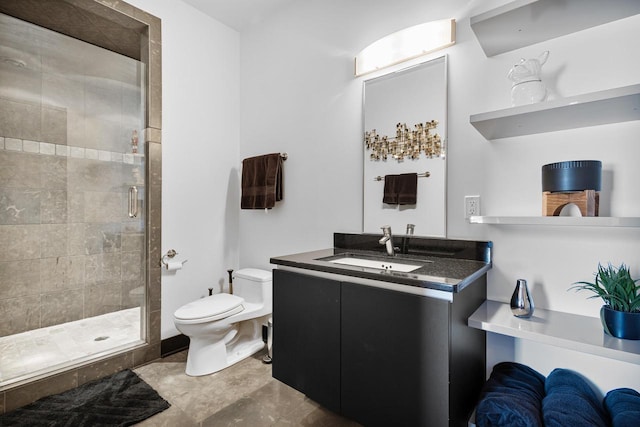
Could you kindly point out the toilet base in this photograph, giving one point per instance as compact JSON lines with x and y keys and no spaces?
{"x":206,"y":357}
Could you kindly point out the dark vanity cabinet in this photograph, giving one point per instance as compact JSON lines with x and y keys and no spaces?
{"x":393,"y":347}
{"x":306,"y":326}
{"x":378,"y":356}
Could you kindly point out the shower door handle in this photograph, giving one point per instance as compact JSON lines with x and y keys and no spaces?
{"x":133,"y":201}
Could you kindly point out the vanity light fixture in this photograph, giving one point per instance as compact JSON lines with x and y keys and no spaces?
{"x":406,"y":44}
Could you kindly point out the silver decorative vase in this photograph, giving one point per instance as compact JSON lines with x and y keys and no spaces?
{"x":521,"y":301}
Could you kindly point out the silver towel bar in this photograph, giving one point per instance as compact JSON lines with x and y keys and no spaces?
{"x":284,"y":156}
{"x":420,"y":175}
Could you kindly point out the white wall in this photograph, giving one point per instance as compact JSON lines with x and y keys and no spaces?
{"x":200,"y":154}
{"x":298,"y":95}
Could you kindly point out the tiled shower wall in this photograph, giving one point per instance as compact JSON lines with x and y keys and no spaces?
{"x":68,"y":249}
{"x":120,"y":27}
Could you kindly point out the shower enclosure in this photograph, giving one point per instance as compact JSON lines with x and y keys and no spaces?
{"x":72,"y":208}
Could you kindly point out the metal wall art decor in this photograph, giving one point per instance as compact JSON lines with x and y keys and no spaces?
{"x":407,"y":143}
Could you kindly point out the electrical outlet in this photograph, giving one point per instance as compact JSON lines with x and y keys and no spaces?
{"x":471,"y":206}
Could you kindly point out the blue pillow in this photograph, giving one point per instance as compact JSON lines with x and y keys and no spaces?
{"x":512,"y":396}
{"x":623,"y":406}
{"x":570,"y":401}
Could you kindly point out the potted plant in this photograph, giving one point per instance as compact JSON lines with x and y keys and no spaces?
{"x":620,"y":313}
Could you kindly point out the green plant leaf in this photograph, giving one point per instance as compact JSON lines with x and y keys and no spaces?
{"x":614,"y":286}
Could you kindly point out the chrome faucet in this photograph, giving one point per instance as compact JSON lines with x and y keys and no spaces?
{"x":405,"y":239}
{"x":410,"y":228}
{"x":387,"y":240}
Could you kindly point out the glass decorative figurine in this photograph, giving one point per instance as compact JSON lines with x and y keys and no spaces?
{"x":528,"y":87}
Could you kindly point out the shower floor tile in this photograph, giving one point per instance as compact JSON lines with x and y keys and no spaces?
{"x":54,"y":347}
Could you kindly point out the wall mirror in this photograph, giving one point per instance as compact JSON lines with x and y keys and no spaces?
{"x":413,"y":96}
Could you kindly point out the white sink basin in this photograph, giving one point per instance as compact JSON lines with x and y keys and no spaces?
{"x":382,"y":265}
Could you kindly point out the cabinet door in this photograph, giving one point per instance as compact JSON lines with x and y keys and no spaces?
{"x":395,"y":358}
{"x":306,"y":335}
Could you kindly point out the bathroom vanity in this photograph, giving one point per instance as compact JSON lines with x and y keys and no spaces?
{"x":383,"y":340}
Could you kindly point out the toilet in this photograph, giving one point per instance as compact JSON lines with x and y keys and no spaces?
{"x":224,"y":328}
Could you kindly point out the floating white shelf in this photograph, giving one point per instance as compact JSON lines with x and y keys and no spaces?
{"x":591,"y":109}
{"x":586,"y":221}
{"x":525,"y":22}
{"x":571,"y":331}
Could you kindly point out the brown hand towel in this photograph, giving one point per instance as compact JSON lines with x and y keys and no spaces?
{"x":261,"y":181}
{"x":407,"y":187}
{"x":390,"y":196}
{"x":400,"y":189}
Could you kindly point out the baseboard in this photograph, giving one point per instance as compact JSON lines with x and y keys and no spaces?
{"x":173,"y":345}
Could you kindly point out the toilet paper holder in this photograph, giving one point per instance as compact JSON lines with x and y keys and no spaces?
{"x":171,"y":253}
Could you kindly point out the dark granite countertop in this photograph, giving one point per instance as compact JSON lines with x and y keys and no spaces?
{"x":447,"y":265}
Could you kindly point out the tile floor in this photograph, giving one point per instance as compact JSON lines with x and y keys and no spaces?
{"x":244,"y":394}
{"x":42,"y":350}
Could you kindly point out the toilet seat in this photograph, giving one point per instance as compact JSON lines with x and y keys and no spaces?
{"x":208,"y":309}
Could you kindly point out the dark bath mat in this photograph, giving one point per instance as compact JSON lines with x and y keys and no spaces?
{"x":121,"y":399}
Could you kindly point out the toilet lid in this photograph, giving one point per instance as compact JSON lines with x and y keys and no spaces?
{"x":218,"y":305}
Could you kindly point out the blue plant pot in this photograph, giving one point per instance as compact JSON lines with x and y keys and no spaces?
{"x":620,"y":324}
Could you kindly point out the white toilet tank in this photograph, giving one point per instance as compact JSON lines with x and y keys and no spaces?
{"x":254,"y":285}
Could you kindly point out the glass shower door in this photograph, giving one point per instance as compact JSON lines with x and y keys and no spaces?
{"x":72,"y":237}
